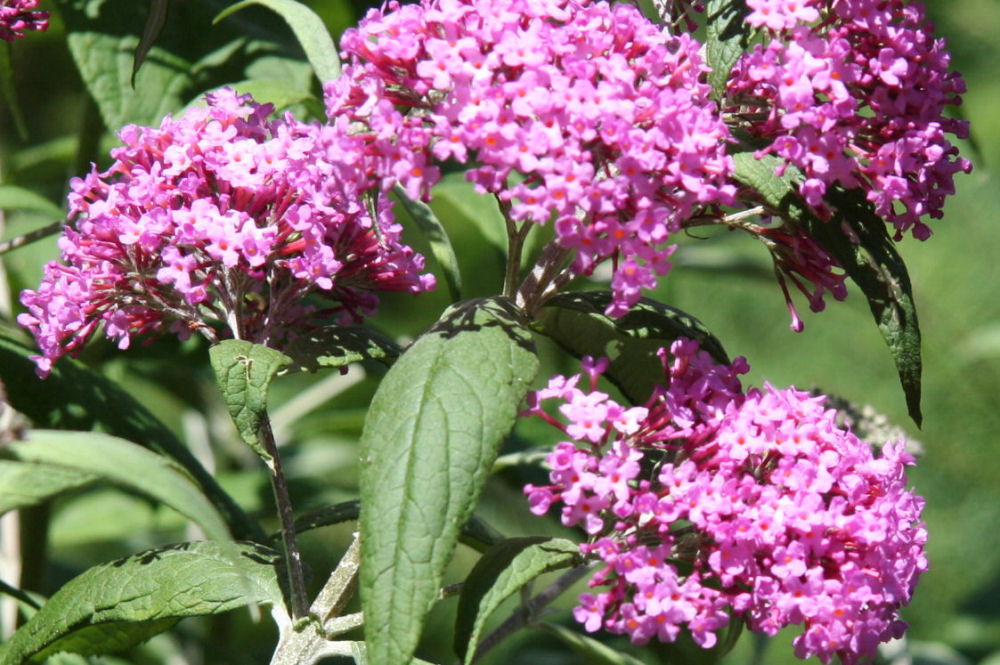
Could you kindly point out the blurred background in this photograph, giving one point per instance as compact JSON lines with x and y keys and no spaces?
{"x":727,"y":283}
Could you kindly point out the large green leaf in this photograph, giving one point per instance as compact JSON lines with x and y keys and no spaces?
{"x":727,"y":37}
{"x":430,"y":438}
{"x":857,"y":238}
{"x":124,"y":463}
{"x":309,"y":30}
{"x":577,"y":322}
{"x":339,"y":346}
{"x":105,"y":63}
{"x":116,"y":605}
{"x":505,"y":568}
{"x":244,"y":371}
{"x":73,"y":397}
{"x":24,"y":485}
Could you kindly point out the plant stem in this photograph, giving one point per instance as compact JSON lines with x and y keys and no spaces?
{"x":314,"y":641}
{"x":293,"y":557}
{"x":529,"y":611}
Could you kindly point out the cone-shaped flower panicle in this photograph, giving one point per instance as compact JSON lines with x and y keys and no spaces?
{"x":854,"y":92}
{"x":221,"y":221}
{"x":582,"y":115}
{"x":709,"y":502}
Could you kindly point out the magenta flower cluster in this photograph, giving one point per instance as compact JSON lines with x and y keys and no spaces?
{"x":221,"y":218}
{"x":583,"y":115}
{"x":709,"y":503}
{"x":18,"y":16}
{"x":854,"y":92}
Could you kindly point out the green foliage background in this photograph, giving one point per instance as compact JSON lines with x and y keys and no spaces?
{"x":955,"y":617}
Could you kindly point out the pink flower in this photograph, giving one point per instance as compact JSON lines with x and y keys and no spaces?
{"x":227,"y":223}
{"x":787,"y":518}
{"x":578,"y":114}
{"x":17,"y":16}
{"x":855,"y":93}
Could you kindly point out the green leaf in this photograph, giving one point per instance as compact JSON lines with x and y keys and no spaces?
{"x":282,"y":93}
{"x":154,"y":25}
{"x":869,"y":258}
{"x":577,"y":322}
{"x":244,"y":371}
{"x":430,"y":438}
{"x":73,"y":397}
{"x":596,"y":653}
{"x":8,"y":93}
{"x":339,"y":346}
{"x":727,"y":37}
{"x":105,"y":64}
{"x":309,"y":30}
{"x":503,"y":570}
{"x":124,"y":463}
{"x":459,"y":197}
{"x":119,"y":604}
{"x":13,"y":197}
{"x":24,"y":485}
{"x":437,"y":237}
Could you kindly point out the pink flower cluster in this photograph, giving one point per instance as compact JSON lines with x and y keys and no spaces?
{"x":585,"y":115}
{"x":799,"y":259}
{"x":709,"y":503}
{"x":17,"y":16}
{"x":854,"y":92}
{"x":224,"y":217}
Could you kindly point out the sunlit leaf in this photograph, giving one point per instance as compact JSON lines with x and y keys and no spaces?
{"x":430,"y":439}
{"x":23,"y":485}
{"x":105,"y":64}
{"x":339,"y":346}
{"x":309,"y":30}
{"x":244,"y":371}
{"x":119,"y":604}
{"x":125,"y":464}
{"x":502,"y":570}
{"x":75,"y":398}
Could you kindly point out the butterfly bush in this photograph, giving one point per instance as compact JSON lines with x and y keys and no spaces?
{"x":17,"y":16}
{"x":583,"y":115}
{"x":221,"y":218}
{"x":853,"y":92}
{"x":710,"y":503}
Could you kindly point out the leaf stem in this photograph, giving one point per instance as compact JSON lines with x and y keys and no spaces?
{"x":293,"y":557}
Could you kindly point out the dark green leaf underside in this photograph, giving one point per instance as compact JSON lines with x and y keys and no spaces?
{"x":869,"y":258}
{"x":578,"y":323}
